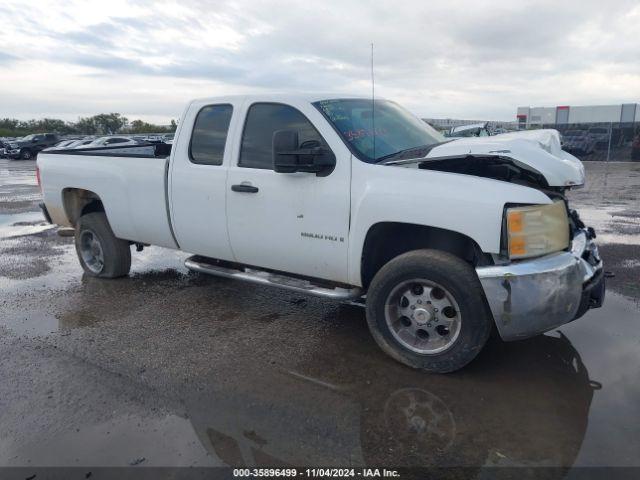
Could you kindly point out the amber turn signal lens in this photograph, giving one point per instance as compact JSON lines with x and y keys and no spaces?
{"x":537,"y":230}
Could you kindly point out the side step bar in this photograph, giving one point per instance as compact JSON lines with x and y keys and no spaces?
{"x":271,"y":279}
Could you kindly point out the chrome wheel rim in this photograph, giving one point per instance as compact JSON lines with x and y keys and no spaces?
{"x":91,"y":251}
{"x":423,"y":316}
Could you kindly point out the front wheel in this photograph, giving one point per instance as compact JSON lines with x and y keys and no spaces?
{"x":426,"y":309}
{"x":101,"y":254}
{"x":26,"y":154}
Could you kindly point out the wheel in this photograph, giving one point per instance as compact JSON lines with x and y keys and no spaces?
{"x":409,"y":425}
{"x":101,"y":254}
{"x":426,"y":309}
{"x":25,"y":154}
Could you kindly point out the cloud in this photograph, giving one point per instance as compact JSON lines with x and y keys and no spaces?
{"x":477,"y":59}
{"x":6,"y":58}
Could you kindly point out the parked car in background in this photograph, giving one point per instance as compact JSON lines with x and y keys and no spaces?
{"x":60,"y":145}
{"x":600,"y":136}
{"x":578,"y":142}
{"x":80,"y":143}
{"x":4,"y":145}
{"x":28,"y":147}
{"x":635,"y":148}
{"x":128,"y":145}
{"x":155,"y":138}
{"x":112,"y":141}
{"x":473,"y":130}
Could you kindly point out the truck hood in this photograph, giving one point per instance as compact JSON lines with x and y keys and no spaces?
{"x":537,"y":151}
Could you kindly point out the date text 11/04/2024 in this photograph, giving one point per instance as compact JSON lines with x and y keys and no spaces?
{"x":316,"y":472}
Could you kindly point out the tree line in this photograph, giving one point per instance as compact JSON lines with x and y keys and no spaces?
{"x":101,"y":124}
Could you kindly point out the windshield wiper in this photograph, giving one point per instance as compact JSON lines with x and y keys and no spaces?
{"x":422,"y":149}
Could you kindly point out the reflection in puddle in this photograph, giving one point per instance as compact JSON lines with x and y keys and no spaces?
{"x":425,"y":421}
{"x":40,"y":323}
{"x":86,"y":301}
{"x":36,"y":324}
{"x":531,"y":403}
{"x":66,"y":273}
{"x":613,"y":223}
{"x":18,"y":224}
{"x":121,"y":441}
{"x":523,"y":406}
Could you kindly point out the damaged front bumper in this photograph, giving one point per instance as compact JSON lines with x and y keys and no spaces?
{"x":533,"y":296}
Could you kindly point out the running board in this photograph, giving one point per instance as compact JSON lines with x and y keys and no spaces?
{"x":274,"y":280}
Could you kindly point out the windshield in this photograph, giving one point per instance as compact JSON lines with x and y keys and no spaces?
{"x":396,"y":130}
{"x":28,"y":137}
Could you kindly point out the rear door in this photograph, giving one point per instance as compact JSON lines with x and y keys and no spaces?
{"x":198,"y":178}
{"x":292,"y":222}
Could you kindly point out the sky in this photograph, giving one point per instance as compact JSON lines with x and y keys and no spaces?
{"x":442,"y":59}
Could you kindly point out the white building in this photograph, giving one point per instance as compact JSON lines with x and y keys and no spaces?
{"x":566,"y":114}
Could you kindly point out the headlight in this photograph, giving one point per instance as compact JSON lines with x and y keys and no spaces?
{"x":537,"y":230}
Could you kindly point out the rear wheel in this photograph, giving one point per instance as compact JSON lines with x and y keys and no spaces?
{"x":101,"y":254}
{"x":426,"y":309}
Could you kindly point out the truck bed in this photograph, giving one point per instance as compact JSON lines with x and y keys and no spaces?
{"x":131,"y":186}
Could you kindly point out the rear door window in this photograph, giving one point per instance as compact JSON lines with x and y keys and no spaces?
{"x":210,"y":134}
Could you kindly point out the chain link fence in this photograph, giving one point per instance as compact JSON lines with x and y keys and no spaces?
{"x":613,"y":142}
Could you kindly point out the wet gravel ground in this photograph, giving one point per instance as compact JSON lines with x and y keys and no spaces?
{"x":171,"y":368}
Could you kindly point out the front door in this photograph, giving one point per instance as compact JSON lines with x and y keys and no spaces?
{"x":293,"y":222}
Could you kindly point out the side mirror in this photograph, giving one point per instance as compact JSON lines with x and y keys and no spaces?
{"x":290,"y":157}
{"x":34,"y":140}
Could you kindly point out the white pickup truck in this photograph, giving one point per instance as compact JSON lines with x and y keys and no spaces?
{"x":351,"y":199}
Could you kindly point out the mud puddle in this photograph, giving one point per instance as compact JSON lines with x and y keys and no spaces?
{"x":561,"y":399}
{"x":75,"y":300}
{"x":20,"y":224}
{"x":125,"y":440}
{"x":616,"y":223}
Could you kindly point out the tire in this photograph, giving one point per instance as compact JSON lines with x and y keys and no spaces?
{"x":111,"y":258}
{"x":449,"y":320}
{"x":26,"y":154}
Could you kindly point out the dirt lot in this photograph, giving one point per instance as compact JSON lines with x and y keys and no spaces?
{"x":171,"y":368}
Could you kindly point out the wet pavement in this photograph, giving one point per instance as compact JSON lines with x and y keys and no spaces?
{"x":171,"y":368}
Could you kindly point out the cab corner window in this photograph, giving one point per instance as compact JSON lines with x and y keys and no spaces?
{"x":210,"y":134}
{"x":263,"y":119}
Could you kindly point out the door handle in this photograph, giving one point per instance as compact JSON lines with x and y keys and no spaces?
{"x":243,"y":187}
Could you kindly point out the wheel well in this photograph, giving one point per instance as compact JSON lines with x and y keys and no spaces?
{"x":78,"y":202}
{"x":387,"y":240}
